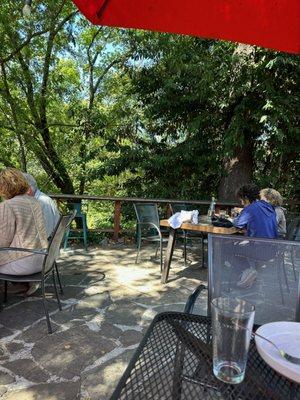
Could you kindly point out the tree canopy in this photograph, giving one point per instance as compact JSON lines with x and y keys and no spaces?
{"x":106,"y":111}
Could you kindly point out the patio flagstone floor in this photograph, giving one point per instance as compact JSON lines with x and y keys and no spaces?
{"x":100,"y":326}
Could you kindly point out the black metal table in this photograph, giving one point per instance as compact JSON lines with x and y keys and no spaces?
{"x":174,"y":362}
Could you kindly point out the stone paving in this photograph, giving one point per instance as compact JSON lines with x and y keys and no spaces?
{"x":101,"y":324}
{"x":103,"y":320}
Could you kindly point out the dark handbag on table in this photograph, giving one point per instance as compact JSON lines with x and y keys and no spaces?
{"x":221,"y":222}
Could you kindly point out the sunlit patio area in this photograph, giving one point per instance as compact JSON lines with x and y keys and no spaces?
{"x":149,"y":200}
{"x":102,"y":322}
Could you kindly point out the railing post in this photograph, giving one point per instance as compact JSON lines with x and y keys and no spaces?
{"x":169,"y":210}
{"x":117,"y":218}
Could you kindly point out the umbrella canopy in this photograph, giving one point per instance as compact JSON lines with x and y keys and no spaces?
{"x":268,"y":23}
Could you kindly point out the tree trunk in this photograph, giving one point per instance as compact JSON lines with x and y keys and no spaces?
{"x":22,"y":153}
{"x":238,"y":171}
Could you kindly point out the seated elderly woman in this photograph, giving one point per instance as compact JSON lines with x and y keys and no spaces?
{"x":21,"y":225}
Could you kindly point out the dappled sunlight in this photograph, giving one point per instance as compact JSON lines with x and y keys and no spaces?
{"x":32,"y":394}
{"x":107,"y":378}
{"x":101,"y":324}
{"x":130,"y":274}
{"x":111,"y":369}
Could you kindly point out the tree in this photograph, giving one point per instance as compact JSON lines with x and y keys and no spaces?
{"x":25,"y":70}
{"x":219,"y":94}
{"x":140,"y":113}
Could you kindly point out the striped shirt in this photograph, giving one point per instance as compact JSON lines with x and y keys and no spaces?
{"x":21,"y":225}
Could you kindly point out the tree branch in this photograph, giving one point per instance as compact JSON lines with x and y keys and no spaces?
{"x":92,"y":62}
{"x":22,"y":45}
{"x":114,"y":62}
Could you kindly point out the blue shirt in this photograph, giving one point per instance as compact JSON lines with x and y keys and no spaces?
{"x":259,"y":218}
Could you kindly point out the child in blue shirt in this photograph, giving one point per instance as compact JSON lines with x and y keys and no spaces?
{"x":258,"y":217}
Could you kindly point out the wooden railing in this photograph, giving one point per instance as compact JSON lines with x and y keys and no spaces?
{"x":119,"y":200}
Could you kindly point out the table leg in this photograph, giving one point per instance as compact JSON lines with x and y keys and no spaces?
{"x":169,"y":254}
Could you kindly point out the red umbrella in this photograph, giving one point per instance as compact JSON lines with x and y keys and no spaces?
{"x":274,"y":24}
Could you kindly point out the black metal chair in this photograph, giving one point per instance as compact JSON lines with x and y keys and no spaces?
{"x":293,"y":230}
{"x":293,"y":233}
{"x":83,"y":234}
{"x":275,"y":281}
{"x":49,"y":266}
{"x":148,"y":227}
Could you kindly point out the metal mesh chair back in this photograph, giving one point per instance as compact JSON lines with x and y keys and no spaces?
{"x":293,"y":230}
{"x":56,"y":240}
{"x":264,"y":272}
{"x":147,"y":212}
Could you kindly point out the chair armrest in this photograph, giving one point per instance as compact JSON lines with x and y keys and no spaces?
{"x":32,"y":251}
{"x":189,"y":305}
{"x":152,"y":225}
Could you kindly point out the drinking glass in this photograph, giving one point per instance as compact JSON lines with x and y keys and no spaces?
{"x":232,"y":323}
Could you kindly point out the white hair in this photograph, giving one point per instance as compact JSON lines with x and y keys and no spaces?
{"x":31,"y":181}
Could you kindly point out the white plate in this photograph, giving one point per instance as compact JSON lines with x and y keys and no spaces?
{"x":286,"y":335}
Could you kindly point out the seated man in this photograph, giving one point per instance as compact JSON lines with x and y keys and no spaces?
{"x":258,"y":219}
{"x":50,"y":211}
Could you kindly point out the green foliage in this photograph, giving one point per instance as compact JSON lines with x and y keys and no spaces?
{"x":133,"y":113}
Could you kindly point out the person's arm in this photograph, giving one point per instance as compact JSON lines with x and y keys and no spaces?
{"x":237,"y":209}
{"x":281,"y":221}
{"x":7,"y":225}
{"x":55,"y":212}
{"x":242,"y":220}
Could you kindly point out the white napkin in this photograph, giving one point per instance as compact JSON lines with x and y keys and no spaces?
{"x":179,"y":218}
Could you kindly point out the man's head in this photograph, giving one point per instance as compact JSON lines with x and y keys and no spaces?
{"x":248,"y":193}
{"x":33,"y":187}
{"x":12,"y":183}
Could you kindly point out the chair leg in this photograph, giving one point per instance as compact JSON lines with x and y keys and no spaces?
{"x":56,"y":291}
{"x":5,"y":292}
{"x":45,"y":307}
{"x":161,"y":255}
{"x":139,"y":240}
{"x":58,"y":278}
{"x":66,"y":238}
{"x":84,"y":227}
{"x":156,"y":251}
{"x":202,"y":251}
{"x":184,"y":249}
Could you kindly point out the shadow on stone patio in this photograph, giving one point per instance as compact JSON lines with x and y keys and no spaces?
{"x":101,"y":323}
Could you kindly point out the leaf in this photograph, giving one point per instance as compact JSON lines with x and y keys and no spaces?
{"x":263,"y":119}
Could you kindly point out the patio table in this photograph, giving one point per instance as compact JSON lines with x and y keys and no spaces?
{"x":201,"y":227}
{"x":174,"y":362}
